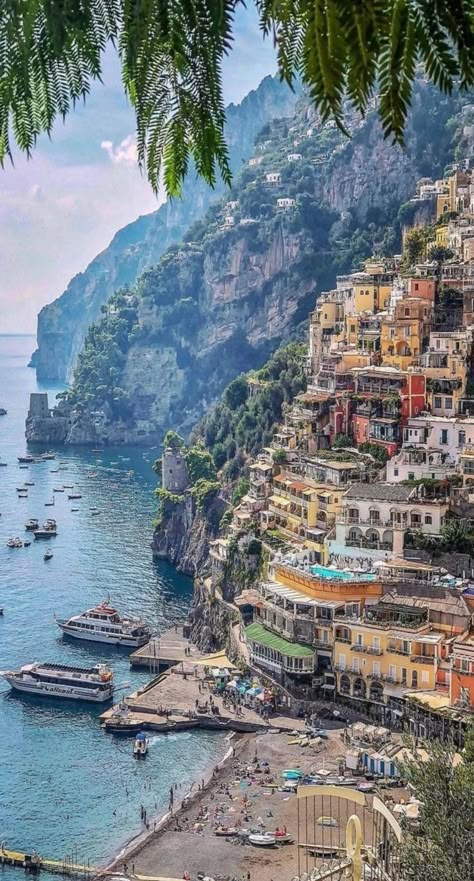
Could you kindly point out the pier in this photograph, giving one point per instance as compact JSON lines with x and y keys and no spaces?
{"x":34,"y":863}
{"x":165,"y":651}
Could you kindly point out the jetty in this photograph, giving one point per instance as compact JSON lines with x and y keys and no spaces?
{"x":165,"y":651}
{"x":34,"y":863}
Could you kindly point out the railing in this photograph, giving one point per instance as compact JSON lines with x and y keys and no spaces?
{"x":394,"y":651}
{"x":368,"y":649}
{"x":343,"y":639}
{"x":353,"y":521}
{"x":422,"y":659}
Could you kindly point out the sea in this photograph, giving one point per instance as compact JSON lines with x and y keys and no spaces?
{"x":68,"y":789}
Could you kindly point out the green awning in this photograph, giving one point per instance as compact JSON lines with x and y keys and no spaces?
{"x":257,"y":633}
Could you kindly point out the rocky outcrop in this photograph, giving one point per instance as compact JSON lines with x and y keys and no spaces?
{"x":210,"y":620}
{"x":62,"y":325}
{"x":183,"y":534}
{"x":50,"y":431}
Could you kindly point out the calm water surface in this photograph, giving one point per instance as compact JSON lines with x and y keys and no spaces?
{"x":66,"y":787}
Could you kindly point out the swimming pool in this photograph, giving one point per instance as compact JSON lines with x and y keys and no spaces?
{"x":327,"y":572}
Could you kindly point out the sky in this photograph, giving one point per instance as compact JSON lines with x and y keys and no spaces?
{"x":62,"y":207}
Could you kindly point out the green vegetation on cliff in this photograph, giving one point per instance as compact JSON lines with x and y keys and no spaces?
{"x":244,"y":419}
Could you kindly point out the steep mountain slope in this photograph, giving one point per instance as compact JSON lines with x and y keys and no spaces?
{"x":62,"y":325}
{"x":248,"y":274}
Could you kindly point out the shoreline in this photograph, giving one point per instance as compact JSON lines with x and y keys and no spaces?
{"x":159,"y":823}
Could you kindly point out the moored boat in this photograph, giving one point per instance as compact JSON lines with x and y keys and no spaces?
{"x":26,"y":460}
{"x":264,"y":839}
{"x":74,"y":496}
{"x":47,"y":556}
{"x":58,"y":680}
{"x":103,"y":623}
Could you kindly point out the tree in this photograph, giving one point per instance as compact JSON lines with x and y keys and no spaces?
{"x":442,"y":845}
{"x":439,"y":253}
{"x":171,"y":53}
{"x":414,"y":245}
{"x":172,"y":440}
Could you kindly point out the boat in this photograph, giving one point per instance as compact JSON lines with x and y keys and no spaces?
{"x":104,"y":624}
{"x":31,"y":524}
{"x":264,"y":839}
{"x":95,"y":512}
{"x":1,"y":610}
{"x":48,"y":530}
{"x":54,"y":471}
{"x":29,"y":483}
{"x":48,"y":455}
{"x":26,"y":460}
{"x":25,"y":467}
{"x":49,"y":504}
{"x":74,"y":496}
{"x":68,"y":485}
{"x":22,"y":489}
{"x":58,"y":489}
{"x":96,"y":451}
{"x":3,"y":464}
{"x":47,"y":556}
{"x":3,"y":412}
{"x":74,"y":510}
{"x":226,"y":831}
{"x":140,"y":747}
{"x":26,"y":544}
{"x":58,"y":680}
{"x":14,"y":543}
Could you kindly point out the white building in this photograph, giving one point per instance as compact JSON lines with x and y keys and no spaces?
{"x":294,"y":157}
{"x":286,"y":204}
{"x":412,"y":463}
{"x":273,"y":178}
{"x":255,"y":160}
{"x":450,"y":434}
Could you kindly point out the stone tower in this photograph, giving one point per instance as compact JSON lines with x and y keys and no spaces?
{"x":174,"y":473}
{"x":39,"y":406}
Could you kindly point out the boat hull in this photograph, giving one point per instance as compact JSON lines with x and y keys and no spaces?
{"x":131,"y":642}
{"x":42,"y":689}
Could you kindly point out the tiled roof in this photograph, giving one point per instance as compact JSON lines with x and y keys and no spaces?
{"x":384,"y":492}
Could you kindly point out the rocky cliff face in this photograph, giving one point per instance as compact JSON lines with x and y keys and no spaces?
{"x":63,"y":324}
{"x":249,"y":273}
{"x":184,"y":534}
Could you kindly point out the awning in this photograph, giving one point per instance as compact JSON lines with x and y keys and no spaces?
{"x":279,"y":501}
{"x":218,"y":659}
{"x":257,"y":633}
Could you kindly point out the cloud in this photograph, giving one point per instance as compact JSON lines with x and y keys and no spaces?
{"x":125,"y":153}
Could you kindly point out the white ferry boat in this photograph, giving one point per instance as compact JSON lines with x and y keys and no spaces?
{"x":57,"y":680}
{"x":104,"y":624}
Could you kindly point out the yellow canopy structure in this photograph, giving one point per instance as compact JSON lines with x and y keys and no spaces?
{"x":218,"y":659}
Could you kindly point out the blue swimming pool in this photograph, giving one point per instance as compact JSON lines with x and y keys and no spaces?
{"x":327,"y":572}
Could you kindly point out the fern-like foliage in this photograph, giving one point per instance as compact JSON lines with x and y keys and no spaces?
{"x":172,"y":51}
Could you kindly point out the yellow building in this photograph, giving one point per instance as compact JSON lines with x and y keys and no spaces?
{"x":304,"y":511}
{"x":403,"y":335}
{"x":365,"y":297}
{"x":442,"y":236}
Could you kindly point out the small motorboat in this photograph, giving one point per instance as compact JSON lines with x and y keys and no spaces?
{"x":68,"y":486}
{"x":95,"y":512}
{"x":263,"y":839}
{"x":54,"y":470}
{"x":74,"y":496}
{"x":1,"y":610}
{"x":3,"y":412}
{"x":3,"y":464}
{"x":58,"y":489}
{"x":26,"y":544}
{"x":48,"y":455}
{"x":31,"y":524}
{"x":26,"y":460}
{"x":74,"y":510}
{"x":29,"y":483}
{"x":49,"y":504}
{"x":47,"y":556}
{"x":140,"y":747}
{"x":23,"y":467}
{"x":14,"y":543}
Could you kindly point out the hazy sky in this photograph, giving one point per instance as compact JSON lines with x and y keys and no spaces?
{"x":62,"y":207}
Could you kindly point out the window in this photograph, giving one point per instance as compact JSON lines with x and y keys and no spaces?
{"x":405,"y":646}
{"x":342,"y":662}
{"x":425,"y":677}
{"x":403,"y":671}
{"x":407,"y":331}
{"x":353,"y":327}
{"x":461,"y":438}
{"x":376,"y":668}
{"x":444,"y":436}
{"x":416,"y":286}
{"x":428,"y":519}
{"x":392,"y":671}
{"x":355,"y":665}
{"x":325,"y":636}
{"x":438,"y":402}
{"x":395,"y":472}
{"x":360,"y":639}
{"x":448,"y":403}
{"x":411,"y":475}
{"x":465,"y":665}
{"x":438,"y":344}
{"x":376,"y":643}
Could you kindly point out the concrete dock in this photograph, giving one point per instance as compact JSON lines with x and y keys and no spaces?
{"x":164,"y":652}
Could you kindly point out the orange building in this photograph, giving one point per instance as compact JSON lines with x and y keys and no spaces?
{"x":462,"y":672}
{"x":422,"y":287}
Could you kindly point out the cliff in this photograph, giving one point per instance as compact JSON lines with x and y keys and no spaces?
{"x":63,"y":324}
{"x":184,"y":533}
{"x":247,"y":274}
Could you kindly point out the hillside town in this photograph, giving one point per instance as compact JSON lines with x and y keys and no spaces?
{"x":362,"y":502}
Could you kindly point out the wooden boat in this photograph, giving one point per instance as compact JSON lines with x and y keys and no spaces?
{"x":224,"y":832}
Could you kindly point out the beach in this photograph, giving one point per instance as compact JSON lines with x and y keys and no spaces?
{"x":237,"y":793}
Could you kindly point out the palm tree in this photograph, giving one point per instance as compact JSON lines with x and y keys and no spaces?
{"x":171,"y":53}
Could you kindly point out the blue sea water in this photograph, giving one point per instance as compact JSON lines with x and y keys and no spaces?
{"x":66,"y":787}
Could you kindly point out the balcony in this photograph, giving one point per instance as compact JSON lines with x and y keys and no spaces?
{"x":395,"y":651}
{"x":367,"y":649}
{"x":422,"y":659}
{"x":343,"y":639}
